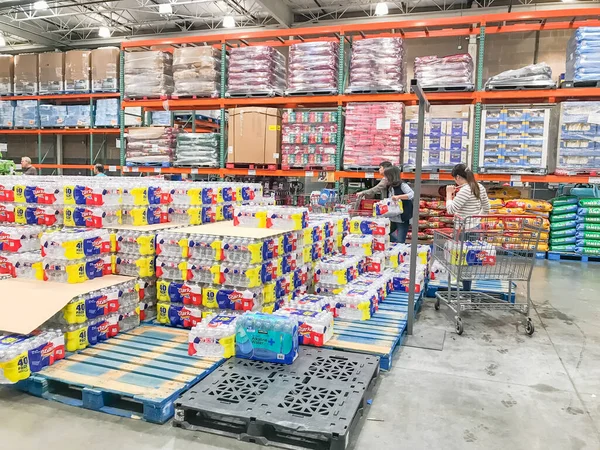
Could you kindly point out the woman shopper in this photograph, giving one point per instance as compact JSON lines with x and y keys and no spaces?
{"x":470,"y":200}
{"x":398,"y":190}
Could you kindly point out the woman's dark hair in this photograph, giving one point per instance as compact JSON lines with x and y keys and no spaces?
{"x":461,"y":170}
{"x":385,"y":164}
{"x":392,"y":174}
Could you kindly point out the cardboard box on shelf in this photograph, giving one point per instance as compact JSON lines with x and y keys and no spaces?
{"x":52,"y":72}
{"x":77,"y":70}
{"x":254,"y":135}
{"x":26,"y":74}
{"x":7,"y":72}
{"x":105,"y":69}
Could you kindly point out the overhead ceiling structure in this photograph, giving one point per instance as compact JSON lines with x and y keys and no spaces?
{"x":29,"y":25}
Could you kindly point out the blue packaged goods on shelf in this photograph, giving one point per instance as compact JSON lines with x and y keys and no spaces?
{"x":7,"y":114}
{"x":268,"y":338}
{"x":578,"y":149}
{"x":107,"y":112}
{"x":27,"y":114}
{"x":161,"y":118}
{"x":583,"y":55}
{"x":52,"y":116}
{"x":78,"y":116}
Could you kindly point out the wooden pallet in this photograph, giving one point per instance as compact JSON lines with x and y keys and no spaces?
{"x":139,"y":375}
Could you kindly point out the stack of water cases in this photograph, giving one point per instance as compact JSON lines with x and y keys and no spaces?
{"x":309,"y":138}
{"x":107,"y":112}
{"x":341,"y":228}
{"x":583,"y":57}
{"x":20,"y":251}
{"x":151,"y":145}
{"x":197,"y":149}
{"x":565,"y":224}
{"x":148,"y":74}
{"x":401,"y":275}
{"x":271,"y":216}
{"x":372,"y":134}
{"x":7,"y":114}
{"x":377,"y":65}
{"x":313,"y":68}
{"x":369,"y":238}
{"x":333,"y":273}
{"x":578,"y":145}
{"x":256,"y":70}
{"x":197,"y":72}
{"x":359,"y":300}
{"x":446,"y":139}
{"x":453,"y":72}
{"x":515,"y":140}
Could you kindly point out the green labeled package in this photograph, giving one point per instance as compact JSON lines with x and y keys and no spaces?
{"x":590,"y":251}
{"x":589,"y":212}
{"x":563,"y":217}
{"x":562,"y":248}
{"x":564,"y":200}
{"x":589,"y":226}
{"x":565,"y":232}
{"x":565,"y":209}
{"x":591,"y":243}
{"x":589,"y":235}
{"x":563,"y":240}
{"x":587,"y":202}
{"x":563,"y":225}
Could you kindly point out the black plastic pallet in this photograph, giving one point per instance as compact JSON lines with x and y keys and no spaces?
{"x":514,"y":87}
{"x":254,"y":94}
{"x":375,"y":91}
{"x":465,"y":88}
{"x":315,"y":403}
{"x":562,"y":256}
{"x":312,"y":93}
{"x":577,"y":84}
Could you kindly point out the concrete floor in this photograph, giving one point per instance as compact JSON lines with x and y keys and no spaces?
{"x":492,"y":388}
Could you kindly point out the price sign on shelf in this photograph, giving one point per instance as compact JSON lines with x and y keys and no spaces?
{"x":194,"y":171}
{"x":157,"y":170}
{"x":135,"y":169}
{"x":594,"y":180}
{"x":515,"y":178}
{"x":369,"y":175}
{"x":112,"y":168}
{"x":434,"y":176}
{"x":251,"y":172}
{"x":309,"y":173}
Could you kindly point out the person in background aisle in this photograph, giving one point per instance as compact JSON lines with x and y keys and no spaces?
{"x":380,"y":187}
{"x":398,"y":190}
{"x":28,"y":169}
{"x":99,"y":170}
{"x":466,"y":200}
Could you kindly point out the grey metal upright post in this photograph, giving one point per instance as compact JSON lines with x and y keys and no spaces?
{"x":423,"y":108}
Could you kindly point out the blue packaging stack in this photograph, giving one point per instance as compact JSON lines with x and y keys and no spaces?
{"x":107,"y":112}
{"x":27,"y":114}
{"x":583,"y":56}
{"x":7,"y":114}
{"x":162,"y":118}
{"x":52,"y":116}
{"x":578,"y":147}
{"x":78,"y":116}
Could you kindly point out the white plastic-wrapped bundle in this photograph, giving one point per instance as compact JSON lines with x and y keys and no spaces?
{"x":313,"y":67}
{"x":107,"y":112}
{"x":447,"y":71}
{"x":579,"y":145}
{"x":7,"y":114}
{"x":583,"y":56}
{"x":151,"y":145}
{"x":27,"y":114}
{"x":197,"y":72}
{"x":256,"y":70}
{"x":377,"y":64}
{"x":148,"y":74}
{"x":534,"y":75}
{"x":197,"y":149}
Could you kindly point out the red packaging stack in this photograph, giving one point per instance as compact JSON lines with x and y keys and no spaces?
{"x":433,"y":217}
{"x":313,"y":68}
{"x":373,"y":134}
{"x":309,"y":138}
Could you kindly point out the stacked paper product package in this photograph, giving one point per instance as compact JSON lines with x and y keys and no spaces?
{"x":583,"y":57}
{"x":377,"y":65}
{"x":256,"y":70}
{"x":453,"y":72}
{"x":579,"y":141}
{"x":197,"y":72}
{"x":313,"y":68}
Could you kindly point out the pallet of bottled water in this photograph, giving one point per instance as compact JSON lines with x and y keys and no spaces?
{"x":214,"y":337}
{"x":314,"y":327}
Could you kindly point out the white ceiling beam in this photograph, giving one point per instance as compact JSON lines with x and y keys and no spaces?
{"x":278,"y":10}
{"x":30,"y":33}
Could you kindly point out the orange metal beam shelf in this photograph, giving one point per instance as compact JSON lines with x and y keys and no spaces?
{"x":72,"y":166}
{"x":64,"y":97}
{"x":54,"y":131}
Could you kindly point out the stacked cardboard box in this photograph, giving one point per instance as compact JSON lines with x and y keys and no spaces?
{"x":105,"y":69}
{"x":7,"y":73}
{"x":52,"y":72}
{"x":26,"y":74}
{"x":77,"y":71}
{"x":254,"y":135}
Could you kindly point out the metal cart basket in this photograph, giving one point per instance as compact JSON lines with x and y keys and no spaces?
{"x":487,"y":248}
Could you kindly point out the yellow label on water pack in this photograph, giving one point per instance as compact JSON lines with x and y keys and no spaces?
{"x":20,"y":193}
{"x":74,"y":312}
{"x":162,"y":290}
{"x":162,"y":315}
{"x":228,"y":344}
{"x":68,"y":216}
{"x":68,"y":195}
{"x":307,"y":253}
{"x":73,"y":248}
{"x":365,"y":307}
{"x":219,"y":213}
{"x":195,"y":195}
{"x":139,"y":216}
{"x":113,"y":242}
{"x":140,"y":196}
{"x":195,"y":215}
{"x":255,"y":251}
{"x":75,"y":272}
{"x":16,"y":369}
{"x":145,"y":266}
{"x":146,"y":244}
{"x":76,"y":339}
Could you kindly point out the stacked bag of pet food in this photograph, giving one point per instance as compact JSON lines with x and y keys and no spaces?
{"x":433,"y":217}
{"x":588,"y":227}
{"x":527,"y":207}
{"x":563,"y":224}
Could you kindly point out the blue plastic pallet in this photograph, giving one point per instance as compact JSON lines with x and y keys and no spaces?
{"x":139,"y":375}
{"x":380,"y":336}
{"x":493,"y":287}
{"x":559,"y":256}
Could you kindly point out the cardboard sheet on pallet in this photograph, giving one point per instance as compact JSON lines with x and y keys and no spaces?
{"x":26,"y":304}
{"x":227,"y":229}
{"x":144,"y":228}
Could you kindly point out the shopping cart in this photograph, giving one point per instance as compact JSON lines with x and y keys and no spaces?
{"x":488,"y":248}
{"x":358,"y":206}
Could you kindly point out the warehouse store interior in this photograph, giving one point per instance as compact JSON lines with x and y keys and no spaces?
{"x":299,"y":224}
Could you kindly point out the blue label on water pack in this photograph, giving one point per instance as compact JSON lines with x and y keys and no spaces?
{"x":92,"y":246}
{"x":92,"y":334}
{"x":33,"y":194}
{"x":94,"y":268}
{"x":154,"y":195}
{"x":34,"y":215}
{"x":268,"y":338}
{"x":227,"y":193}
{"x":228,"y":212}
{"x":229,"y":298}
{"x":96,"y":306}
{"x":268,"y":249}
{"x":221,"y":320}
{"x":39,"y":357}
{"x":207,"y":196}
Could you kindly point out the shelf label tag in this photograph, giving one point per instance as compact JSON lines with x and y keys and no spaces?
{"x":125,"y":169}
{"x":251,"y":172}
{"x":369,"y":175}
{"x":112,"y":168}
{"x":309,"y":173}
{"x":594,"y":180}
{"x":3,"y":148}
{"x":135,"y":169}
{"x":157,"y":170}
{"x":515,"y":178}
{"x":383,"y":123}
{"x":118,"y":144}
{"x":434,"y":176}
{"x":194,"y":171}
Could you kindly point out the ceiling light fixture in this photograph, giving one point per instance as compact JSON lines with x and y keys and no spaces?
{"x":228,"y":22}
{"x":2,"y":40}
{"x":40,"y":6}
{"x":165,"y":8}
{"x":381,"y":9}
{"x":104,"y":32}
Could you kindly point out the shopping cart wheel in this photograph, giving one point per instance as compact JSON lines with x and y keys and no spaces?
{"x":459,"y":326}
{"x":437,"y":304}
{"x":529,"y":328}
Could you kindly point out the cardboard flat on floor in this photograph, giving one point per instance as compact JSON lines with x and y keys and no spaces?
{"x":227,"y":229}
{"x":26,"y":304}
{"x":153,"y":227}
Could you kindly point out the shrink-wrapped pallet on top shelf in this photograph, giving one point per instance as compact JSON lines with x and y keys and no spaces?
{"x":373,"y":134}
{"x":197,"y":72}
{"x":197,"y":149}
{"x":313,"y":68}
{"x":537,"y":76}
{"x":579,"y":142}
{"x":256,"y":70}
{"x":151,"y":145}
{"x":455,"y":71}
{"x":377,"y":64}
{"x":52,"y":72}
{"x":27,"y":114}
{"x":447,"y":137}
{"x":583,"y":57}
{"x":148,"y":74}
{"x":107,"y":112}
{"x":516,"y":140}
{"x":564,"y":224}
{"x":308,"y":138}
{"x":105,"y":63}
{"x":77,"y":71}
{"x":7,"y":74}
{"x":26,"y":74}
{"x":7,"y":114}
